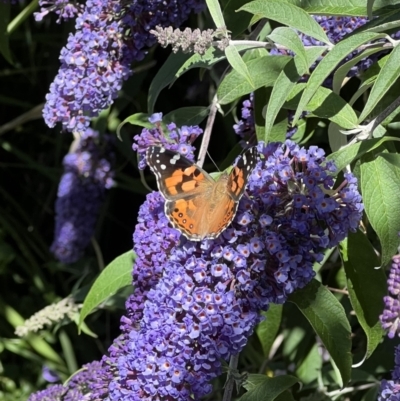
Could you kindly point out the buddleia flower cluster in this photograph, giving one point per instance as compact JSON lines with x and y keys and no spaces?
{"x":109,"y":36}
{"x":88,"y":173}
{"x":390,"y":389}
{"x":63,"y":8}
{"x":76,"y":389}
{"x":390,"y":318}
{"x":174,"y":138}
{"x":202,"y":301}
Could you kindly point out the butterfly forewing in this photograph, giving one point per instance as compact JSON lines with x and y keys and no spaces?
{"x":176,"y":175}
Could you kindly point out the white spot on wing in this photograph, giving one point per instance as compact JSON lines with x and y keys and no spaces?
{"x":163,"y":166}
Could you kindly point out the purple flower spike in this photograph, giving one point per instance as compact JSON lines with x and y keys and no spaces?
{"x":87,"y":174}
{"x":390,"y":389}
{"x":177,"y":139}
{"x":109,"y":36}
{"x":196,"y":304}
{"x":390,"y":318}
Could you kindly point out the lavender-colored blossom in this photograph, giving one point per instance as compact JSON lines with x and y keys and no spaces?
{"x":109,"y":36}
{"x":390,"y":318}
{"x":76,"y":389}
{"x":390,"y":389}
{"x":203,"y":299}
{"x":63,"y":8}
{"x":50,"y":375}
{"x":52,"y":393}
{"x":245,"y":127}
{"x":177,"y":139}
{"x":87,"y":175}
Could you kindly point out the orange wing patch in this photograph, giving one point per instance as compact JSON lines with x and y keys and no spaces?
{"x":196,"y":205}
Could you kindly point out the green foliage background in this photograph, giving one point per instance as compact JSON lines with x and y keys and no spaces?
{"x":339,"y":309}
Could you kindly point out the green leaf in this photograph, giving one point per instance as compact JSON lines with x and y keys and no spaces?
{"x":238,"y":64}
{"x":237,"y":22}
{"x":289,"y":38}
{"x":193,"y":115}
{"x":384,"y":23}
{"x":386,"y":78}
{"x":310,"y":367}
{"x":355,"y":8}
{"x":216,"y":13}
{"x":139,"y":119}
{"x":268,"y":328}
{"x":263,"y":70}
{"x":329,"y":63}
{"x":392,"y":158}
{"x":263,"y":388}
{"x":115,"y":275}
{"x":347,"y":155}
{"x":370,"y":6}
{"x":328,"y":318}
{"x":380,"y":183}
{"x":340,"y":74}
{"x":366,"y":286}
{"x":165,"y":76}
{"x":4,"y":19}
{"x":284,"y":84}
{"x":326,"y":104}
{"x":336,"y":139}
{"x":287,"y":14}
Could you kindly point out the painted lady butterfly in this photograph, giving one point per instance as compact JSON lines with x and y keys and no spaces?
{"x":195,"y":204}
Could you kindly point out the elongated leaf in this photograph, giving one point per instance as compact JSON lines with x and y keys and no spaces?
{"x":366,"y":286}
{"x":289,"y":38}
{"x":238,"y":64}
{"x":284,"y":84}
{"x":370,"y":6}
{"x":216,"y":13}
{"x":187,"y":115}
{"x":139,"y":119}
{"x":329,"y":63}
{"x":328,"y":318}
{"x":268,"y":328}
{"x":165,"y":75}
{"x":116,"y":275}
{"x":341,"y":73}
{"x":355,"y":8}
{"x":336,"y":139}
{"x":326,"y":104}
{"x":263,"y":388}
{"x":237,"y":22}
{"x":380,"y":183}
{"x":287,"y":14}
{"x":382,"y":24}
{"x":347,"y":155}
{"x":386,"y":78}
{"x":263,"y":70}
{"x":4,"y":19}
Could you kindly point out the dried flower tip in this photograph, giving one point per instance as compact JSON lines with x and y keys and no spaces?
{"x":189,"y":41}
{"x":51,"y":314}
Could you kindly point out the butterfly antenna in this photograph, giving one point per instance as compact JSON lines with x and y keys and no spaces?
{"x":215,"y":164}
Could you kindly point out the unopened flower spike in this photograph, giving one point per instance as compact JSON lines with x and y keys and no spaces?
{"x":190,"y":41}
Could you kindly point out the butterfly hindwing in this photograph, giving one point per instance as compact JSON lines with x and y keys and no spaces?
{"x":176,"y":175}
{"x":240,"y":173}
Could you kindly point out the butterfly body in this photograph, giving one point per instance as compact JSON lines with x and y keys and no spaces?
{"x":196,"y":204}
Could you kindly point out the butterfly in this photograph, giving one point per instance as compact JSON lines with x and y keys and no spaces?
{"x":196,"y":204}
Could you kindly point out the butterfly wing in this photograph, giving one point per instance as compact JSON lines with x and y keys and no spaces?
{"x":240,"y":173}
{"x":195,"y":204}
{"x":177,"y":177}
